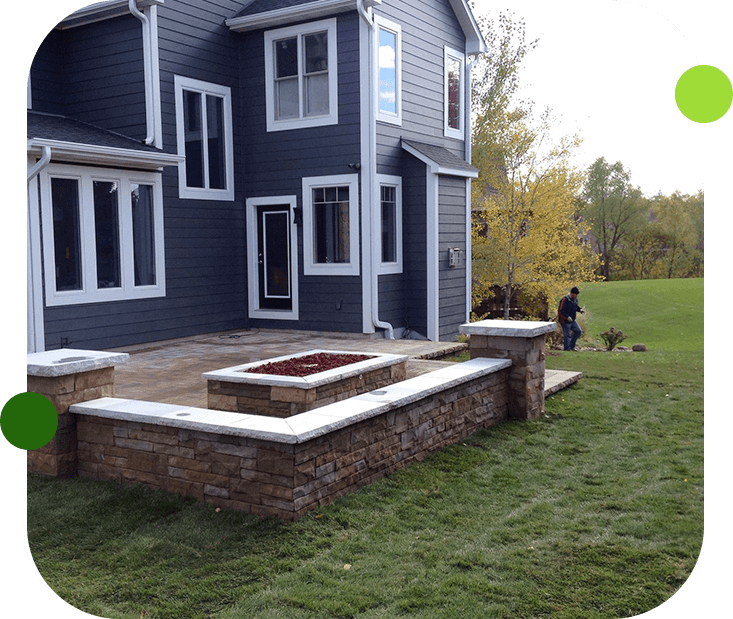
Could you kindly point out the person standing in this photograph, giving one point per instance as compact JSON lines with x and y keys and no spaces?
{"x":566,"y":312}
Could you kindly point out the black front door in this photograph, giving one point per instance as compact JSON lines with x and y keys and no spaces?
{"x":273,"y":257}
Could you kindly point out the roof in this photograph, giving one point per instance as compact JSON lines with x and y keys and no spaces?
{"x":440,"y":159}
{"x":80,"y":142}
{"x":267,"y":13}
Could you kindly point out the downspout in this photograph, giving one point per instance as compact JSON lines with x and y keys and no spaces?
{"x":371,"y":174}
{"x":147,"y":70}
{"x":41,"y":163}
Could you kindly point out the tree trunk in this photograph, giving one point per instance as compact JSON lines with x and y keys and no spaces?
{"x":507,"y":300}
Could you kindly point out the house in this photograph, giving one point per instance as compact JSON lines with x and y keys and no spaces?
{"x":203,"y":166}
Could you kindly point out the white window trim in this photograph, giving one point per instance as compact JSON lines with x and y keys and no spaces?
{"x":310,"y":266}
{"x":292,"y":31}
{"x":396,"y":182}
{"x":396,"y":29}
{"x":453,"y":54}
{"x":252,"y":272}
{"x":89,"y":292}
{"x":202,"y":193}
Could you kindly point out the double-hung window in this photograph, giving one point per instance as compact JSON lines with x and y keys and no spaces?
{"x":330,"y":224}
{"x":204,"y":126}
{"x":454,"y":62}
{"x":301,"y":88}
{"x":389,"y":70}
{"x":102,"y":235}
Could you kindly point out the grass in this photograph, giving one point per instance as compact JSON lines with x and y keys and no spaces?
{"x":593,"y":511}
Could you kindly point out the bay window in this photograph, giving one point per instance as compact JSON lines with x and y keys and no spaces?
{"x":102,"y":234}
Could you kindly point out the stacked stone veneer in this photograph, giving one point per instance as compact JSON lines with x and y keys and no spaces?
{"x":67,"y":377}
{"x":524,"y":343}
{"x":237,"y":390}
{"x":285,"y":467}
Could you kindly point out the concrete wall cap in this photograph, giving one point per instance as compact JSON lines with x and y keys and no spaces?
{"x":65,"y":361}
{"x":508,"y":328}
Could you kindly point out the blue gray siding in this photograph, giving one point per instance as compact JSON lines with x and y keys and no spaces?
{"x":276,"y":163}
{"x":204,"y":239}
{"x":427,"y":26}
{"x":451,"y":233}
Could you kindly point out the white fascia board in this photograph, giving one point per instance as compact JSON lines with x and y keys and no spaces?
{"x":475,"y":43}
{"x":437,"y":169}
{"x":307,"y":11}
{"x":73,"y":152}
{"x":100,"y":11}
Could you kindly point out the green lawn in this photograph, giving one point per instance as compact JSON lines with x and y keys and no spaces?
{"x":593,"y":511}
{"x":664,"y":314}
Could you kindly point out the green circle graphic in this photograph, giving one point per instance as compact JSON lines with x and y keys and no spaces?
{"x":704,"y":94}
{"x":29,"y":420}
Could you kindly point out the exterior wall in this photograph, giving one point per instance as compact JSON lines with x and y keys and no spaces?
{"x":451,"y":233}
{"x":276,"y":162}
{"x":427,"y":26}
{"x":204,"y":239}
{"x":93,"y":73}
{"x":414,"y":290}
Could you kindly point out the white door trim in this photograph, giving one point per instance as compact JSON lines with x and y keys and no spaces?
{"x":253,"y":296}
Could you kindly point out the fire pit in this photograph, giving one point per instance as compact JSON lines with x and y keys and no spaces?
{"x":293,"y":384}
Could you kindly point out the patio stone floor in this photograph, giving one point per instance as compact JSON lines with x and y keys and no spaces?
{"x":170,"y":371}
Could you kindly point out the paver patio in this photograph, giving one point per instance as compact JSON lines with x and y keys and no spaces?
{"x":170,"y":371}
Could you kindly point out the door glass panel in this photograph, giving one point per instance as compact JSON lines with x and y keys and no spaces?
{"x":276,"y":254}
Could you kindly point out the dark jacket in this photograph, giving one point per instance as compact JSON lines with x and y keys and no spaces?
{"x":568,"y":308}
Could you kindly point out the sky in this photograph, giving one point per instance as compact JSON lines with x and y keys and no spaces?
{"x":608,"y":69}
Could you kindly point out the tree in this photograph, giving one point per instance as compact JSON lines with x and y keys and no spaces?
{"x":679,"y":220}
{"x":528,"y":234}
{"x":613,"y":208}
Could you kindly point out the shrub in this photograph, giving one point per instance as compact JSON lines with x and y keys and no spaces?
{"x":612,"y":338}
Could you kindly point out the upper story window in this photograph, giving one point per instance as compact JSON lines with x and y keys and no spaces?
{"x":204,"y":128}
{"x":301,"y":86}
{"x":389,"y":70}
{"x":102,"y":234}
{"x":454,"y":93}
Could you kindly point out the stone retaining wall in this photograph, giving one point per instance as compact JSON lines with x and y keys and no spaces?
{"x":274,"y":466}
{"x":286,"y":479}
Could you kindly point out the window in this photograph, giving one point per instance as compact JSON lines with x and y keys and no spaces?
{"x":204,"y":126}
{"x":301,"y":88}
{"x":330,"y":224}
{"x":454,"y":103}
{"x":389,"y":71}
{"x":103,"y":235}
{"x":390,"y":237}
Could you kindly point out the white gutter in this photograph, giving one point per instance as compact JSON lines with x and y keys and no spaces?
{"x":147,"y":70}
{"x":309,"y":10}
{"x":369,"y":186}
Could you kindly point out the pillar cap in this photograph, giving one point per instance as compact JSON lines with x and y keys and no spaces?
{"x":65,"y":361}
{"x":508,"y":328}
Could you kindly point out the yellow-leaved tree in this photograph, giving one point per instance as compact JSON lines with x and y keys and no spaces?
{"x":527,"y":234}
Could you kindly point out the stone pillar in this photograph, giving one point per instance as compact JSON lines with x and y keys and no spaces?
{"x":524,"y":343}
{"x":66,"y":377}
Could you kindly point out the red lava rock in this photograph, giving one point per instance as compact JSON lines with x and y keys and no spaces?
{"x":308,"y":364}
